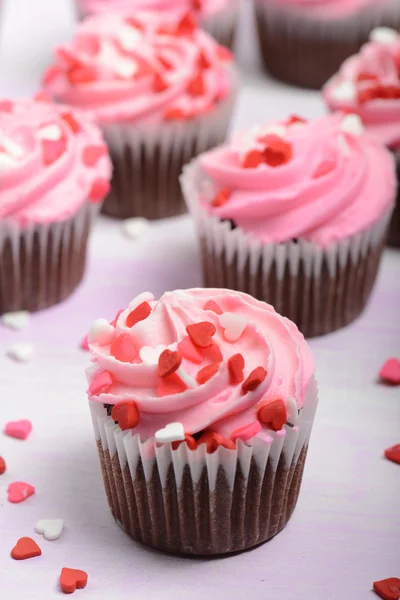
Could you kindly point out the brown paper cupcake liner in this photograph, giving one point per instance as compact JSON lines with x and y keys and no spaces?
{"x":191,"y":502}
{"x":394,"y":227}
{"x":42,"y":264}
{"x":320,"y":290}
{"x":306,"y":52}
{"x":148,"y":162}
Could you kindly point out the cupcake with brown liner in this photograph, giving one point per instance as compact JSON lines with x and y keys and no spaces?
{"x":295,"y":213}
{"x":217,"y":17}
{"x":304,"y":42}
{"x":202,"y":406}
{"x":369,"y":84}
{"x":54,"y":174}
{"x":162,"y":91}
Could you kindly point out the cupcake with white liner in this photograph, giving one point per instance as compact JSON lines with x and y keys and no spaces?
{"x":162,"y":91}
{"x":202,"y":405}
{"x":369,"y":84}
{"x":304,"y":42}
{"x":217,"y":17}
{"x":295,"y":213}
{"x":54,"y":174}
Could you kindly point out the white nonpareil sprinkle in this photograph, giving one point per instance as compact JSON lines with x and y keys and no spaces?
{"x":50,"y":132}
{"x":135,"y":227}
{"x":352,"y":124}
{"x":344,"y":91}
{"x":101,"y":332}
{"x":16,"y":320}
{"x":384,"y":35}
{"x":21,"y":351}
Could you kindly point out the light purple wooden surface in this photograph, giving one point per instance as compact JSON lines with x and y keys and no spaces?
{"x":345,"y":530}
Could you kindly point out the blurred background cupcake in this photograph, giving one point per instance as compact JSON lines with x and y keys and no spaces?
{"x":303,"y":42}
{"x":202,"y":419}
{"x":55,"y":172}
{"x":369,"y":84}
{"x":218,"y":17}
{"x":162,"y":91}
{"x":295,"y":213}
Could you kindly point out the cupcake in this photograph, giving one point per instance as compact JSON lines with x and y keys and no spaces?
{"x":218,"y":17}
{"x":54,"y":173}
{"x":295,"y":213}
{"x":369,"y":84}
{"x":202,"y":405}
{"x":303,"y":42}
{"x":162,"y":92}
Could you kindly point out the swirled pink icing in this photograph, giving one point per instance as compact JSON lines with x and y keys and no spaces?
{"x":149,"y":68}
{"x":328,"y":8}
{"x":369,"y":84}
{"x":267,"y":340}
{"x":52,"y":160}
{"x":321,"y":180}
{"x":203,"y":7}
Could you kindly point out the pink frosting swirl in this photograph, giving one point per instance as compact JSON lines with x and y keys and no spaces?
{"x":369,"y":84}
{"x":266,"y":339}
{"x":326,"y":8}
{"x":321,"y":180}
{"x":149,"y":68}
{"x":203,"y":7}
{"x":52,"y":160}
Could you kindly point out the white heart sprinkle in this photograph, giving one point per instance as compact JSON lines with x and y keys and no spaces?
{"x":16,"y":320}
{"x":101,"y":332}
{"x":279,"y":130}
{"x":233,"y":325}
{"x":352,"y":124}
{"x":173,"y":432}
{"x":7,"y":163}
{"x":50,"y":132}
{"x":151,"y":355}
{"x":292,"y":412}
{"x":129,"y":37}
{"x":21,"y":351}
{"x":135,"y":227}
{"x":344,"y":91}
{"x":50,"y":528}
{"x":343,"y":146}
{"x":11,"y":147}
{"x":384,"y":35}
{"x":125,"y":68}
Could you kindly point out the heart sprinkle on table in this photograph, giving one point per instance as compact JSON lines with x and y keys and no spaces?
{"x":18,"y":491}
{"x":16,"y":320}
{"x":388,"y":589}
{"x":21,"y":351}
{"x":390,"y":372}
{"x":72,"y":579}
{"x":25,"y":548}
{"x":393,"y":454}
{"x":51,"y":529}
{"x":3,"y":465}
{"x":18,"y":429}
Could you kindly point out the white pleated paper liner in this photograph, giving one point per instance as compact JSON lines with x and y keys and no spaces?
{"x":148,"y":160}
{"x":321,"y":290}
{"x":191,"y":502}
{"x":42,"y":264}
{"x":304,"y":50}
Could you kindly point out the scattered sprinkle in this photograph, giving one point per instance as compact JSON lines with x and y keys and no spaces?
{"x":273,"y":414}
{"x":207,"y":373}
{"x":201,"y":333}
{"x":352,"y":124}
{"x":189,"y":440}
{"x":388,"y":589}
{"x":84,"y":345}
{"x":25,"y":548}
{"x":72,"y":579}
{"x":140,"y":313}
{"x":169,"y":361}
{"x":189,"y":351}
{"x":21,"y":351}
{"x":16,"y":320}
{"x":126,"y":414}
{"x":173,"y":432}
{"x":136,"y":227}
{"x":390,"y":372}
{"x":247,"y":432}
{"x":214,"y":440}
{"x":235,"y":367}
{"x":384,"y":35}
{"x":212,"y":305}
{"x":255,"y":378}
{"x":100,"y":384}
{"x":51,"y":529}
{"x":123,"y":349}
{"x":233,"y":325}
{"x":3,"y":466}
{"x":393,"y":454}
{"x":18,"y":491}
{"x":171,"y":385}
{"x":18,"y":429}
{"x":101,"y":332}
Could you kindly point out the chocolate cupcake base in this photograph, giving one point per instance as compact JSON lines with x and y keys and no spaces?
{"x":193,"y":503}
{"x":42,"y":265}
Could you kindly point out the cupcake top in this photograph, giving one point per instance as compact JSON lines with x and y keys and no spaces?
{"x":321,"y":180}
{"x":149,"y":68}
{"x":369,"y":84}
{"x":52,"y":160}
{"x":212,"y":361}
{"x":327,"y":8}
{"x":201,"y":7}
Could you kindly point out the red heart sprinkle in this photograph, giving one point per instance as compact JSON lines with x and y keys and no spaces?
{"x":201,"y":333}
{"x":390,"y":372}
{"x":364,"y":76}
{"x":52,"y":150}
{"x":72,"y":122}
{"x":168,"y":362}
{"x":189,"y":351}
{"x":115,"y":319}
{"x":206,"y":373}
{"x":211,"y":305}
{"x":6,"y":106}
{"x":171,"y":385}
{"x":81,"y":74}
{"x":187,"y":25}
{"x":197,"y":4}
{"x":235,"y":367}
{"x":293,"y":119}
{"x":100,"y":384}
{"x":18,"y":491}
{"x":51,"y":73}
{"x":252,"y":159}
{"x":327,"y":166}
{"x":224,"y":54}
{"x":43,"y":96}
{"x":92,"y":154}
{"x":175,"y":114}
{"x":212,"y":353}
{"x":3,"y":465}
{"x":123,"y":348}
{"x":393,"y":454}
{"x":134,"y":23}
{"x":255,"y":378}
{"x":99,"y":190}
{"x":246,"y":432}
{"x":388,"y":589}
{"x":203,"y":60}
{"x":126,"y":414}
{"x":165,"y":62}
{"x":273,"y":414}
{"x":196,"y":86}
{"x":18,"y":429}
{"x":190,"y":441}
{"x":278,"y":152}
{"x":72,"y":579}
{"x":159,"y":83}
{"x":214,"y":440}
{"x":140,"y":313}
{"x":25,"y":548}
{"x":222,"y":197}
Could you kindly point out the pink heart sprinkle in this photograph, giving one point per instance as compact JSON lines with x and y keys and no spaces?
{"x":84,"y":345}
{"x":18,"y":429}
{"x":100,"y":384}
{"x":247,"y":432}
{"x":390,"y":372}
{"x":19,"y":491}
{"x":189,"y":351}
